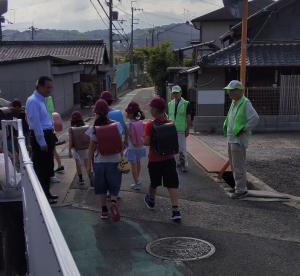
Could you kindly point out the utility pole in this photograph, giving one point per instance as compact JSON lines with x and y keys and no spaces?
{"x":1,"y":21}
{"x":131,"y":43}
{"x":111,"y":50}
{"x":244,"y":42}
{"x":152,"y":37}
{"x":33,"y":31}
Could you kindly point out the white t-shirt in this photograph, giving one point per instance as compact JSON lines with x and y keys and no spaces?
{"x":98,"y":158}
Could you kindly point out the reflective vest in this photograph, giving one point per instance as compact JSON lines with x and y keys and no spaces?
{"x":181,"y":116}
{"x":49,"y":105}
{"x":240,"y":119}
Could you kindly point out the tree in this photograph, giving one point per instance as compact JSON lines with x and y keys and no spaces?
{"x":155,"y":60}
{"x":160,"y":59}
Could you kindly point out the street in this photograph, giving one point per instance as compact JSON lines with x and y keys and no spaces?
{"x":251,"y":238}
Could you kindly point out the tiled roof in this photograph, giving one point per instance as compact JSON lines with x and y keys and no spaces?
{"x":224,"y":14}
{"x":91,"y":50}
{"x":259,"y":54}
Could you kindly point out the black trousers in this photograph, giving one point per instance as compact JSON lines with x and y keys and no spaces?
{"x":43,"y":161}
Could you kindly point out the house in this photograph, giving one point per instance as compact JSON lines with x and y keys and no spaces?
{"x":218,"y":22}
{"x":211,"y":26}
{"x":273,"y":70}
{"x":76,"y":67}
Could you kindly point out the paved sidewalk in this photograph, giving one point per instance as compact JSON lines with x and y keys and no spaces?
{"x":251,"y":238}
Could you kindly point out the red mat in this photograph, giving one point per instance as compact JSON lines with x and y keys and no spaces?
{"x":211,"y":161}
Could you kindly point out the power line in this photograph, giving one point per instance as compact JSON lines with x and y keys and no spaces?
{"x":105,"y":24}
{"x":107,"y":15}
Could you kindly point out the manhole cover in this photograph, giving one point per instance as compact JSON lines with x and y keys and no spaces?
{"x":180,"y":249}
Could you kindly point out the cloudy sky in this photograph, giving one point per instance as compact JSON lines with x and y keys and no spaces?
{"x":81,"y":15}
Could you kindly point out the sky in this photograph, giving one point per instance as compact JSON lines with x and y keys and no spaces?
{"x":81,"y":15}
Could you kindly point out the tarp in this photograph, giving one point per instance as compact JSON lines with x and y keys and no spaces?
{"x":235,"y":7}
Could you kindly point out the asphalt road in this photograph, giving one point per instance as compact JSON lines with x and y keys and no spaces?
{"x":251,"y":238}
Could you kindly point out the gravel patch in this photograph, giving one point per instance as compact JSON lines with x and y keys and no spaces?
{"x":274,"y":158}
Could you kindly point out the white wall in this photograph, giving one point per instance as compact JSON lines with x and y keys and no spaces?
{"x":18,"y":80}
{"x":213,"y":30}
{"x":63,"y":93}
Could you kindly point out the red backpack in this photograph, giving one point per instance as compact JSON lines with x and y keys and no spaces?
{"x":109,"y":139}
{"x":136,"y":130}
{"x":80,"y":140}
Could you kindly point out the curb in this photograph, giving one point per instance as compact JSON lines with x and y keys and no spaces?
{"x":257,"y":183}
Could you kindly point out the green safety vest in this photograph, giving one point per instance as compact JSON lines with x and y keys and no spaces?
{"x":240,"y":119}
{"x":180,"y":120}
{"x":49,"y":105}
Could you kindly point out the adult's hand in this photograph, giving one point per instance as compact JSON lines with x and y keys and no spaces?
{"x":44,"y":148}
{"x":187,"y":133}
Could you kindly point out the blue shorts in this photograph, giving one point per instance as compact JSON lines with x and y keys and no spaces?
{"x":107,"y":177}
{"x":135,"y":155}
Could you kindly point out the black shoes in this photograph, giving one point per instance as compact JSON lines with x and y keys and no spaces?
{"x":60,"y":169}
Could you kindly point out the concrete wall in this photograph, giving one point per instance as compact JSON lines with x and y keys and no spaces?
{"x":63,"y":92}
{"x":210,"y":104}
{"x":213,"y":30}
{"x":214,"y":124}
{"x":18,"y":80}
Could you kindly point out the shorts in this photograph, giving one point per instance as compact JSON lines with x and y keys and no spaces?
{"x":80,"y":155}
{"x":107,"y":177}
{"x":135,"y":155}
{"x":163,"y":173}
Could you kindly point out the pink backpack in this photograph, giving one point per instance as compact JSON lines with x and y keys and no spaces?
{"x":136,"y":130}
{"x":57,"y":121}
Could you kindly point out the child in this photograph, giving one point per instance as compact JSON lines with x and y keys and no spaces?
{"x":161,"y":135}
{"x":105,"y":149}
{"x":78,"y":143}
{"x":136,"y":150}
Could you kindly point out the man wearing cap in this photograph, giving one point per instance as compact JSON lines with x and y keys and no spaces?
{"x":241,"y":119}
{"x":179,"y":112}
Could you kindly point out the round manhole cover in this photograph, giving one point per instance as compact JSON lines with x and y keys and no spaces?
{"x":180,"y":249}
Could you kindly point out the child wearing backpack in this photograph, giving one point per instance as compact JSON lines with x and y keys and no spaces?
{"x":161,"y":135}
{"x":78,"y":143}
{"x":136,"y":149}
{"x":105,"y":150}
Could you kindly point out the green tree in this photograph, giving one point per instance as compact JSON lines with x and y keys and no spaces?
{"x":160,"y":59}
{"x":155,"y":60}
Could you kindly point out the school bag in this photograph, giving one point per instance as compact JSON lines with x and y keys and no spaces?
{"x":136,"y":129}
{"x":109,"y":139}
{"x":80,"y":140}
{"x":57,"y":121}
{"x":164,"y":139}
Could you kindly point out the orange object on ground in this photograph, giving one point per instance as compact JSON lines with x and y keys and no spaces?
{"x":211,"y":161}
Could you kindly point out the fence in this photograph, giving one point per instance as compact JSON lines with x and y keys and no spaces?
{"x":284,"y":100}
{"x":47,"y":251}
{"x":122,"y":74}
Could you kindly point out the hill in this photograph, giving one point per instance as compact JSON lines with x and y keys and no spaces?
{"x":179,"y":34}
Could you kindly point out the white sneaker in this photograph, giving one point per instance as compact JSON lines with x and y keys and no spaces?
{"x":54,"y":179}
{"x":136,"y":187}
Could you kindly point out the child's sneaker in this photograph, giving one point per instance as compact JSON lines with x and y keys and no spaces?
{"x":136,"y":186}
{"x":115,"y":215}
{"x":150,"y":203}
{"x":176,"y":216}
{"x":104,"y":215}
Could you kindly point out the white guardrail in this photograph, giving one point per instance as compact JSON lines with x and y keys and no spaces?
{"x":47,"y":251}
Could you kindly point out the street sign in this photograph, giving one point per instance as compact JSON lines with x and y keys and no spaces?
{"x":235,"y":7}
{"x":3,"y":6}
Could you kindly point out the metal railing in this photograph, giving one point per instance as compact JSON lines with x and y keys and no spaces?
{"x":47,"y":250}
